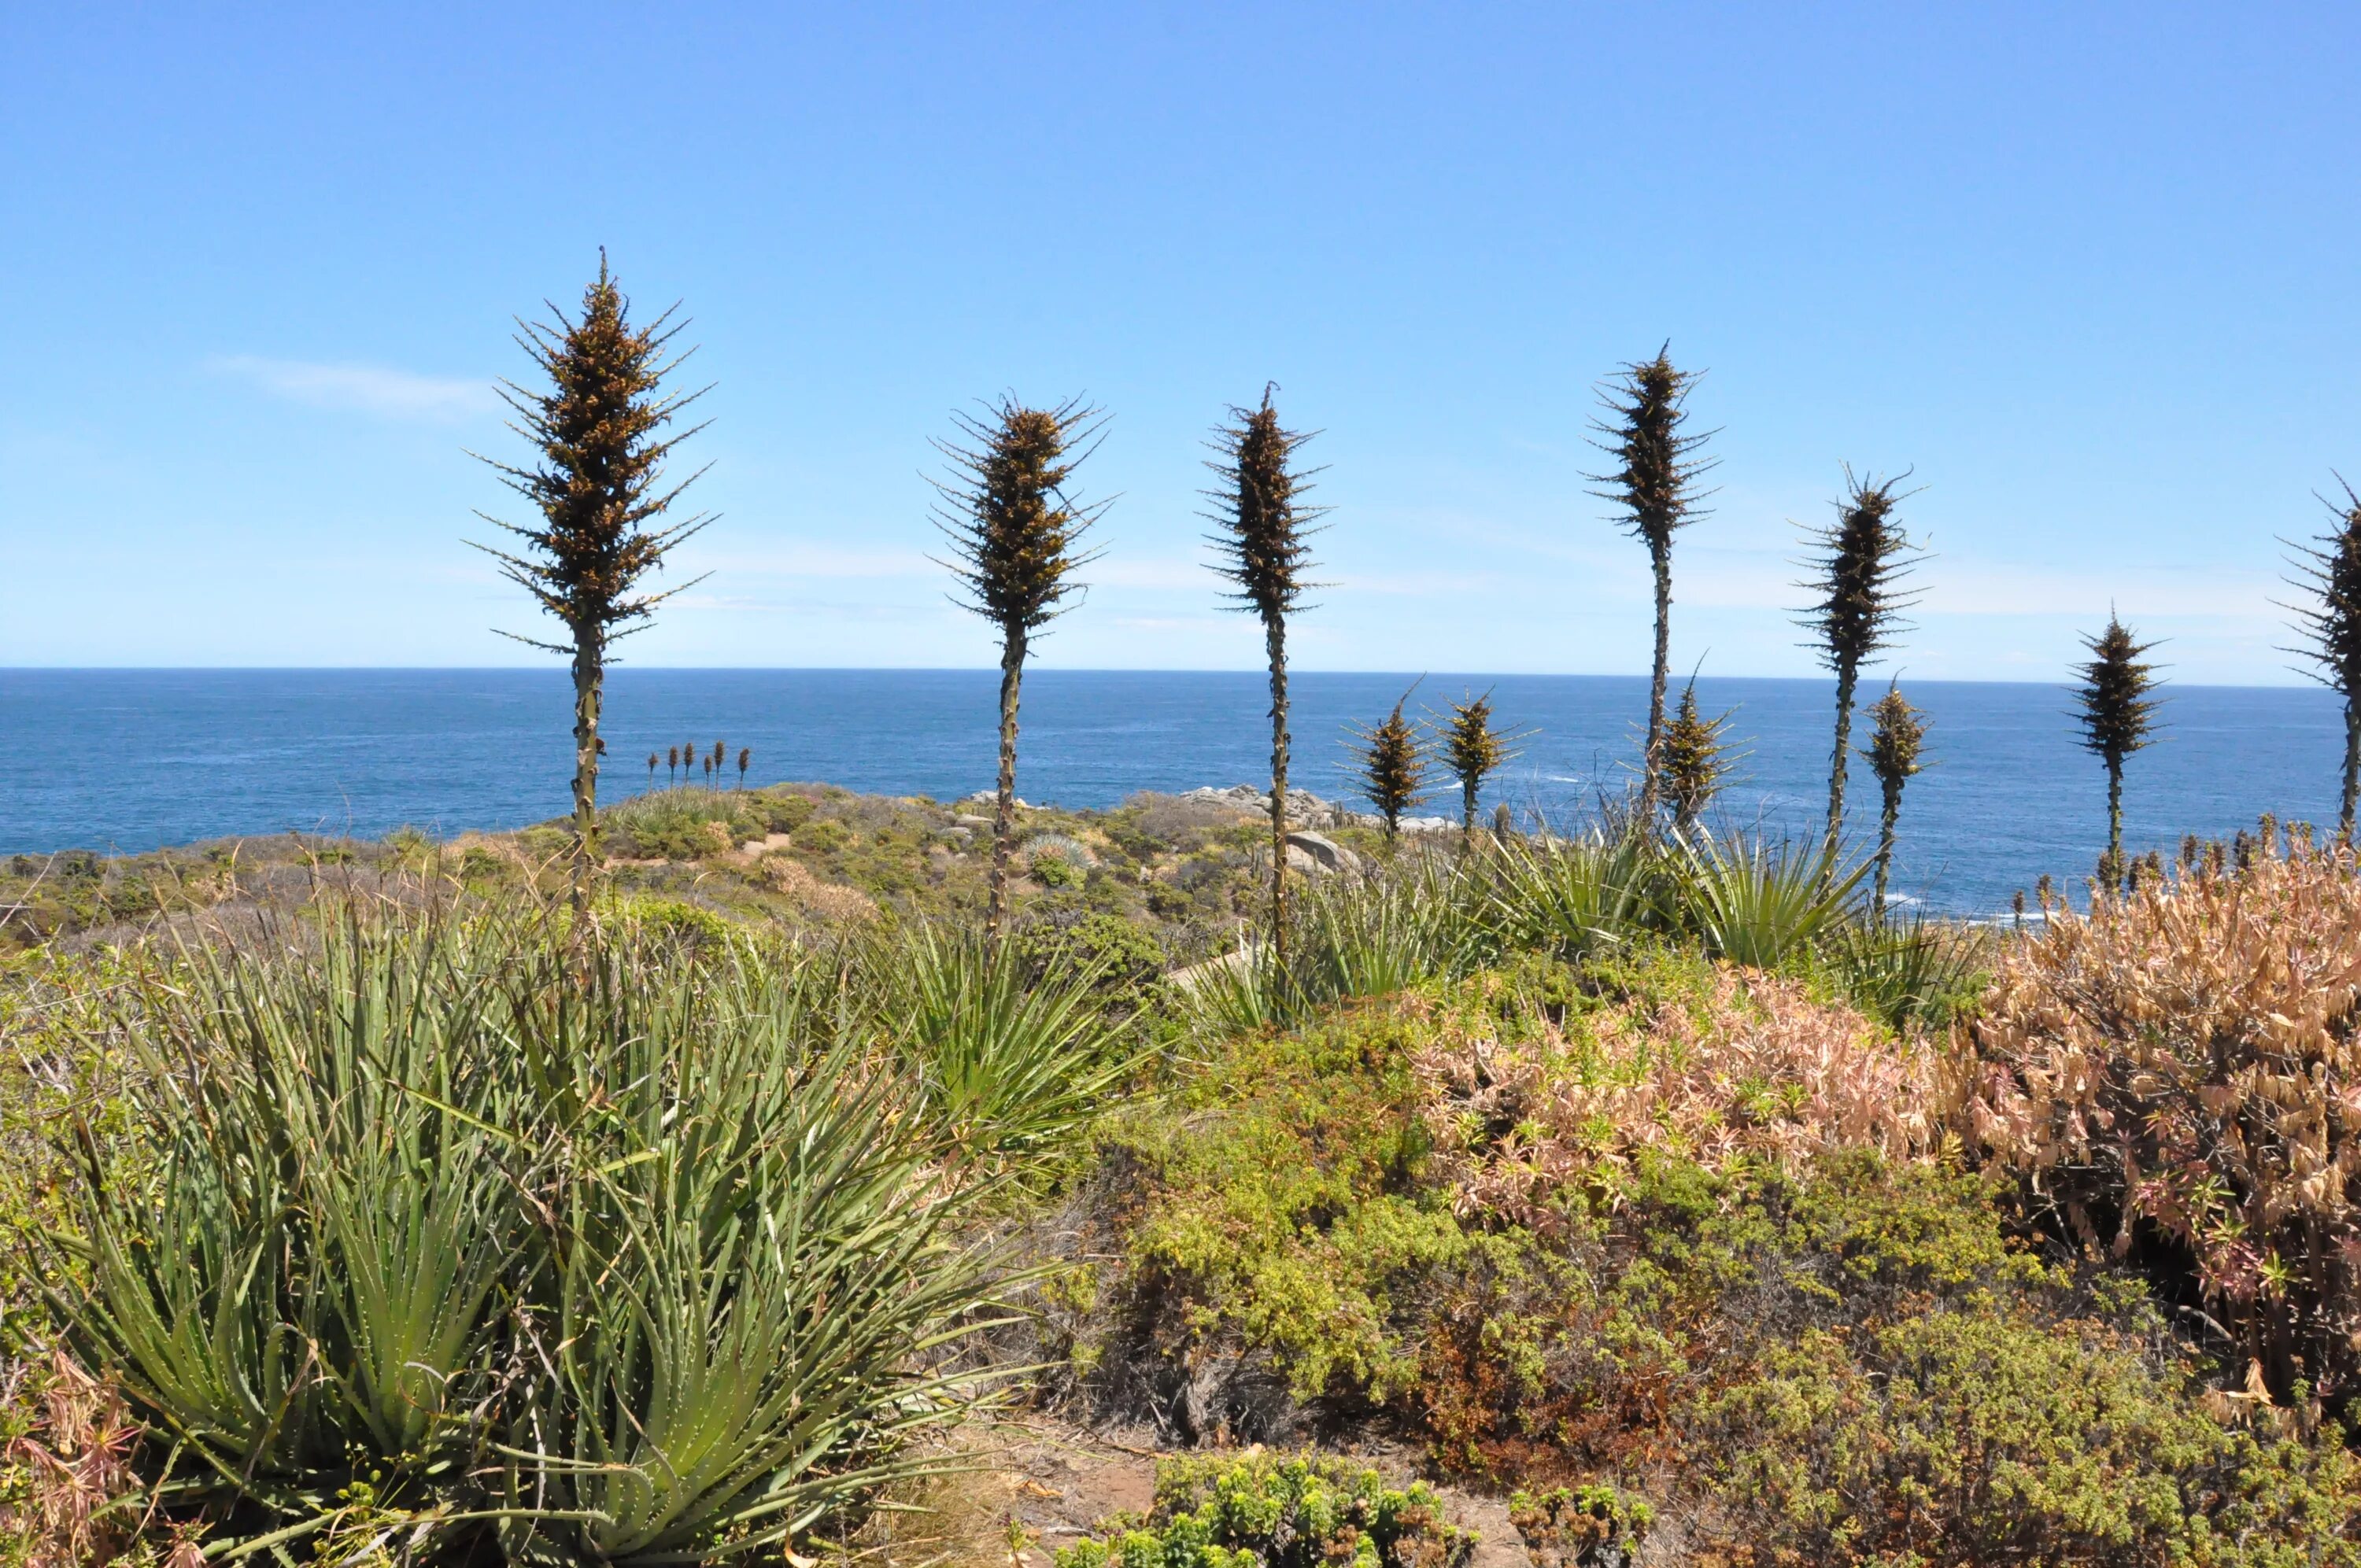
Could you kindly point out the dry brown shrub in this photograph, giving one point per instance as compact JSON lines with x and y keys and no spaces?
{"x":2177,"y":1071}
{"x":1753,"y":1067}
{"x":77,"y":1465}
{"x":826,"y":901}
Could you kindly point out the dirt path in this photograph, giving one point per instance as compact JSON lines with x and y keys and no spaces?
{"x":1056,"y":1483}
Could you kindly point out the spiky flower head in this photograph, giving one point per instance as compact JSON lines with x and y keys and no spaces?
{"x":1261,"y":511}
{"x":599,"y":481}
{"x":1014,"y":529}
{"x":2331,"y":569}
{"x":1390,"y":766}
{"x":1472,"y":749}
{"x":1651,"y":484}
{"x":1898,"y":738}
{"x":1697,"y":761}
{"x":671,"y":757}
{"x":2117,"y":713}
{"x":745,"y":756}
{"x":1859,"y":575}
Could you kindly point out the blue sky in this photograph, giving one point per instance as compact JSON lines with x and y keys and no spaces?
{"x":2090,"y":270}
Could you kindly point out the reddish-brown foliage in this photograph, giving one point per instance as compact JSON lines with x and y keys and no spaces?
{"x":1751,"y":1066}
{"x":2179,"y":1071}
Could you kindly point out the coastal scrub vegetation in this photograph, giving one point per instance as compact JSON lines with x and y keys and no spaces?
{"x":1649,"y":1180}
{"x":723,"y":1174}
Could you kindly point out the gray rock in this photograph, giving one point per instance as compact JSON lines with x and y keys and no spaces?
{"x":1329,"y":855}
{"x":972,"y":823}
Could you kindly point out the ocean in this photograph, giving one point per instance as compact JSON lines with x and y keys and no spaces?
{"x":131,"y":759}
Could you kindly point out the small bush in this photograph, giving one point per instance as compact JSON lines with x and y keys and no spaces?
{"x":1592,"y":1525}
{"x":1127,"y":960}
{"x":2178,"y":1075}
{"x":1685,"y":1058}
{"x":1263,"y":1511}
{"x":1983,"y":1437}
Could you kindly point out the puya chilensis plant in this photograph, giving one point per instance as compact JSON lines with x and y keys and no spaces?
{"x":1895,"y":742}
{"x":1015,"y":537}
{"x":1473,"y":751}
{"x":1653,"y":489}
{"x":1259,"y":506}
{"x":1390,"y":767}
{"x":2330,"y":571}
{"x":1858,"y":575}
{"x":2118,"y":718}
{"x":597,"y":484}
{"x":1697,"y":761}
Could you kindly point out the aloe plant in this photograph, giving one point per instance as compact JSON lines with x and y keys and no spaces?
{"x":1265,"y":550}
{"x":2330,"y":569}
{"x":1895,"y":750}
{"x":1653,"y":489}
{"x":1015,"y":537}
{"x":1697,"y":761}
{"x":598,"y":484}
{"x":2118,"y":717}
{"x":1473,"y":751}
{"x":1389,"y":765}
{"x":1864,"y":561}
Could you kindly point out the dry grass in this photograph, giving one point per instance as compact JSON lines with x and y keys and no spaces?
{"x":74,"y":1488}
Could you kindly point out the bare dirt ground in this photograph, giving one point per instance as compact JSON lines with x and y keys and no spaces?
{"x":1039,"y":1484}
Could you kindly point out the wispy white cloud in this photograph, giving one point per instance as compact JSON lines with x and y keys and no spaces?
{"x":807,"y":560}
{"x":366,"y":388}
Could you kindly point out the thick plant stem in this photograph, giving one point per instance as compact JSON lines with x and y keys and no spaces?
{"x":1847,"y":675}
{"x":587,"y":672}
{"x":1653,"y":763}
{"x":2114,"y":869}
{"x":2352,"y":770}
{"x":1275,"y":637}
{"x":1886,"y":840}
{"x":1003,"y":815}
{"x":1467,"y":812}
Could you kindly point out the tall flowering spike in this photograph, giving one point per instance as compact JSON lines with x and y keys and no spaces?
{"x":1264,"y":524}
{"x":1894,"y":748}
{"x":2118,"y":718}
{"x":1473,"y":752}
{"x":1390,"y":767}
{"x":1653,"y":489}
{"x":1859,"y":577}
{"x":1015,"y":540}
{"x":599,"y":485}
{"x":1697,"y":761}
{"x":2329,"y":570}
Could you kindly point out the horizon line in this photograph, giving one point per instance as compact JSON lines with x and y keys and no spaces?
{"x":559,"y":672}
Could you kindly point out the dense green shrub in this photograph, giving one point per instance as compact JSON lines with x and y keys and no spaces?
{"x":1124,"y":959}
{"x":1261,"y":1510}
{"x":1990,"y":1437}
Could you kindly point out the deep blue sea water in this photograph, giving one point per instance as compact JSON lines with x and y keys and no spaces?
{"x":130,"y":760}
